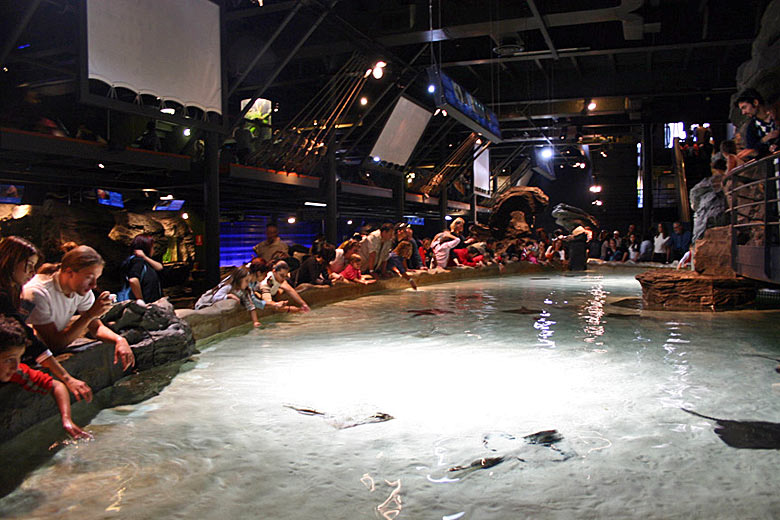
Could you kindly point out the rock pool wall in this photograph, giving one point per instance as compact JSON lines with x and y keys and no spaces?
{"x":162,"y":339}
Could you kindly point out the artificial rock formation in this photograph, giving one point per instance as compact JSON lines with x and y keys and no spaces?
{"x":159,"y":339}
{"x":570,"y":217}
{"x":708,"y":204}
{"x":513,"y":212}
{"x":713,"y":253}
{"x":108,"y":230}
{"x":678,"y":290}
{"x":762,"y":71}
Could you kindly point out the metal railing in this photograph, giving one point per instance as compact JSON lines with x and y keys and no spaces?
{"x":753,"y":192}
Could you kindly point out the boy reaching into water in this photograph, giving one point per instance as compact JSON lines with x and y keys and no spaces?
{"x":13,"y":341}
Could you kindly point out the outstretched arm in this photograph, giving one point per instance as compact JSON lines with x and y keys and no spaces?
{"x":61,"y":397}
{"x":295,"y":296}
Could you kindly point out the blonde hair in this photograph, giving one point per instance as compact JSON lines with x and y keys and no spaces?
{"x":81,"y":257}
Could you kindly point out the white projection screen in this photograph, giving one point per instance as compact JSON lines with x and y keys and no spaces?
{"x":166,"y":48}
{"x":482,"y":172}
{"x":403,"y":129}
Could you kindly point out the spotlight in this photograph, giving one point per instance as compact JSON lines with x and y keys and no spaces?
{"x":377,"y":158}
{"x":349,"y":222}
{"x":447,"y":217}
{"x":379,"y":70}
{"x":431,"y":88}
{"x":597,"y":203}
{"x":101,"y":165}
{"x":603,"y":153}
{"x":443,"y":112}
{"x":546,"y":153}
{"x":438,"y":111}
{"x":595,"y":188}
{"x":291,"y":220}
{"x":583,"y":165}
{"x":364,"y":101}
{"x":5,"y":69}
{"x":185,"y":215}
{"x":187,"y":132}
{"x":592,"y":105}
{"x":479,"y":141}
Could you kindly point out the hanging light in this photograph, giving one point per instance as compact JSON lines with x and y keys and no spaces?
{"x":291,"y":220}
{"x":364,"y":101}
{"x":431,"y":88}
{"x":546,"y":153}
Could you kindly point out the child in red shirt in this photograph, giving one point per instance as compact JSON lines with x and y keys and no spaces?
{"x":13,"y":341}
{"x":352,"y":273}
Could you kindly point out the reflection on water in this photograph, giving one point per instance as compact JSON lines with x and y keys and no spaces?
{"x":218,"y":442}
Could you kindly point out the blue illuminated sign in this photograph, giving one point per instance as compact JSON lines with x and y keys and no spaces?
{"x":464,"y":107}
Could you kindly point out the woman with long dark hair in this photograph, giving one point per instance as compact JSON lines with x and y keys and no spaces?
{"x":18,"y":260}
{"x":140,"y":271}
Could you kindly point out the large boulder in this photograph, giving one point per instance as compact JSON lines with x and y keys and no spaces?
{"x":514,"y":210}
{"x":682,"y":290}
{"x":713,"y":253}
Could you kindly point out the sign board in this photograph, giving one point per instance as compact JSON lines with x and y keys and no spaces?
{"x":460,"y":104}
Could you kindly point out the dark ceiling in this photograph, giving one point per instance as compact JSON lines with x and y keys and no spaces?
{"x":639,"y":60}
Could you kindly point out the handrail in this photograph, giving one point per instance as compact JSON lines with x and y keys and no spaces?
{"x":756,"y":186}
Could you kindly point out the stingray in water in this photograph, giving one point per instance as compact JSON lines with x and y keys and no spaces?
{"x":342,"y":423}
{"x":539,"y":278}
{"x":752,"y":435}
{"x":523,"y":310}
{"x":428,"y":312}
{"x":501,"y":441}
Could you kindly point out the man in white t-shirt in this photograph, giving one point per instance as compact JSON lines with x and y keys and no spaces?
{"x":56,"y":299}
{"x":375,"y":249}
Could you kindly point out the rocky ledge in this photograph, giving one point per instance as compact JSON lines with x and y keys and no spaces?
{"x":157,"y":336}
{"x":673,"y":290}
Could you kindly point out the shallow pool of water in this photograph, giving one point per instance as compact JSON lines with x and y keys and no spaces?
{"x":513,"y":356}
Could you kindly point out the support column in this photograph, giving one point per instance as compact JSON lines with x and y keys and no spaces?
{"x":443,"y":210}
{"x":647,"y":177}
{"x":211,"y":213}
{"x":331,"y":197}
{"x":399,"y":194}
{"x":473,"y":207}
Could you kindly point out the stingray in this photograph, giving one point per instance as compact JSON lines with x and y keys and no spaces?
{"x":523,"y":310}
{"x":546,"y":438}
{"x":342,"y":423}
{"x":428,"y":312}
{"x":539,"y":278}
{"x":752,"y":435}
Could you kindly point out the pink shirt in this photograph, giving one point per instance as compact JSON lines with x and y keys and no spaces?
{"x":350,"y":273}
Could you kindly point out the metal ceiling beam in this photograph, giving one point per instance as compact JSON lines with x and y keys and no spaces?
{"x":250,"y":12}
{"x":543,"y":28}
{"x":545,"y":55}
{"x":265,"y":48}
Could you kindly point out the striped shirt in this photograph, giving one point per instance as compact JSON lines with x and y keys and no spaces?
{"x":32,"y":380}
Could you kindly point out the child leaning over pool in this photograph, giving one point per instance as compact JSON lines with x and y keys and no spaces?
{"x":352,"y":273}
{"x":13,"y":341}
